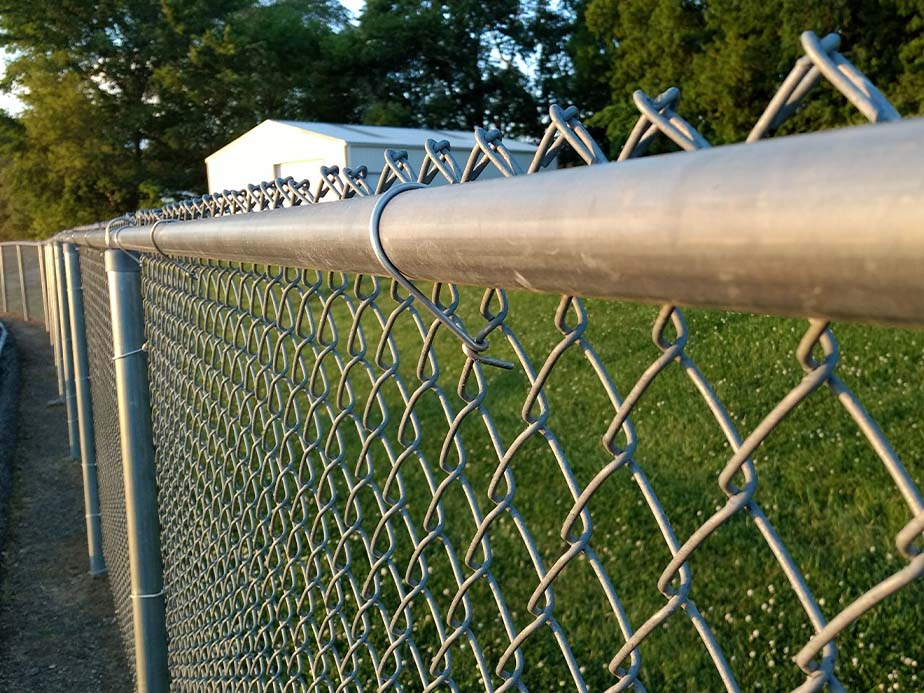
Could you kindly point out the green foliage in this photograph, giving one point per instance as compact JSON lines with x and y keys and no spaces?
{"x":125,"y":98}
{"x":265,"y":60}
{"x":455,"y":64}
{"x":730,"y":56}
{"x":61,"y":169}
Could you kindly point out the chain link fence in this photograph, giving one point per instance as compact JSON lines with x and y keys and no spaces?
{"x":107,"y":442}
{"x":348,"y":502}
{"x":22,"y":280}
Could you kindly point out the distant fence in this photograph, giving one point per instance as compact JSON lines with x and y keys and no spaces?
{"x":296,"y":479}
{"x":22,"y":280}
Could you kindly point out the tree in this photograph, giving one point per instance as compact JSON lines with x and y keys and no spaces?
{"x":260,"y":61}
{"x":643,"y":44}
{"x":730,"y":56}
{"x":124,"y":98}
{"x":60,"y":168}
{"x":457,"y":64}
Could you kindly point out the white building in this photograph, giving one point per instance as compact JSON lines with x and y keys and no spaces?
{"x":281,"y":148}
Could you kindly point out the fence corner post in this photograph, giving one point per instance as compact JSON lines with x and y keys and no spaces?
{"x":66,"y":351}
{"x":84,"y":404}
{"x":136,"y":434}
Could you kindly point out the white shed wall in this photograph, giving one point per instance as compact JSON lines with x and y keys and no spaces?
{"x":273,"y":149}
{"x":270,"y":150}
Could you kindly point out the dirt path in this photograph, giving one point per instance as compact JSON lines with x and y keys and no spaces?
{"x":57,"y":624}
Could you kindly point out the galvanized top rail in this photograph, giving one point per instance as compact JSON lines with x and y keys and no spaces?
{"x":827,"y":225}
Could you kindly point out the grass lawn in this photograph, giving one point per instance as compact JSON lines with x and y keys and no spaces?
{"x":820,"y":483}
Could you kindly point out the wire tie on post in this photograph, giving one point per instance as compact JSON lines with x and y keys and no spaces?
{"x":471,"y":348}
{"x":111,"y":236}
{"x":142,"y":349}
{"x":153,"y":242}
{"x":108,"y":232}
{"x":164,"y":255}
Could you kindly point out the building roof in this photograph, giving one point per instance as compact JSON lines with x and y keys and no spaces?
{"x":382,"y":136}
{"x":403,"y":137}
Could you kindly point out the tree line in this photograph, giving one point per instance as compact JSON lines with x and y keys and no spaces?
{"x":123,"y":99}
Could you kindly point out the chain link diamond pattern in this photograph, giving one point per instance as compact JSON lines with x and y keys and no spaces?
{"x":344,"y":495}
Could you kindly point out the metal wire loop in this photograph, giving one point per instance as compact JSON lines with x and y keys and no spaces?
{"x":172,"y":261}
{"x":471,"y":348}
{"x":143,"y":349}
{"x":153,"y":241}
{"x":111,"y":236}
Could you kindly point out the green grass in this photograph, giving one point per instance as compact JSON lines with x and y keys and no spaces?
{"x":821,"y":485}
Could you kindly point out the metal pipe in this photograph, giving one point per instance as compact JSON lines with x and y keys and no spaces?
{"x":3,"y":281}
{"x":84,"y":409}
{"x":145,"y":563}
{"x":67,"y":364}
{"x":54,"y":325}
{"x":829,"y":224}
{"x":40,"y":256}
{"x":50,"y":298}
{"x":22,"y":283}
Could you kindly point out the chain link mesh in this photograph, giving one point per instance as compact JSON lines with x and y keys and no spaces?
{"x":21,"y":281}
{"x":108,"y":444}
{"x":32,"y":278}
{"x":349,"y":503}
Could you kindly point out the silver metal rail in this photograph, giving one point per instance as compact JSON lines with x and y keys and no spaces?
{"x":84,"y":404}
{"x":3,"y":300}
{"x":51,"y":299}
{"x":145,"y":565}
{"x":828,"y":224}
{"x":22,"y":283}
{"x":66,"y":348}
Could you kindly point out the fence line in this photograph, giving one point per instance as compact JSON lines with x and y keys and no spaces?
{"x":731,"y":235}
{"x":22,"y":282}
{"x":106,"y":429}
{"x":85,"y":429}
{"x":346,"y":501}
{"x":68,"y":345}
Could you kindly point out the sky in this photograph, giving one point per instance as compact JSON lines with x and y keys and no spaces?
{"x":8,"y":102}
{"x":353,"y":6}
{"x":13,"y":106}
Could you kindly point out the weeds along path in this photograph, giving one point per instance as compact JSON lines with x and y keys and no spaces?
{"x":57,"y":627}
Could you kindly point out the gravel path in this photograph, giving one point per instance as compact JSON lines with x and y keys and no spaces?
{"x":57,"y":624}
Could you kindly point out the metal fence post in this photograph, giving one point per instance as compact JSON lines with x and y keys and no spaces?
{"x":66,"y":350}
{"x":134,"y":399}
{"x":2,"y":279}
{"x":54,"y":333}
{"x":22,"y":283}
{"x":84,"y":409}
{"x":43,"y":287}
